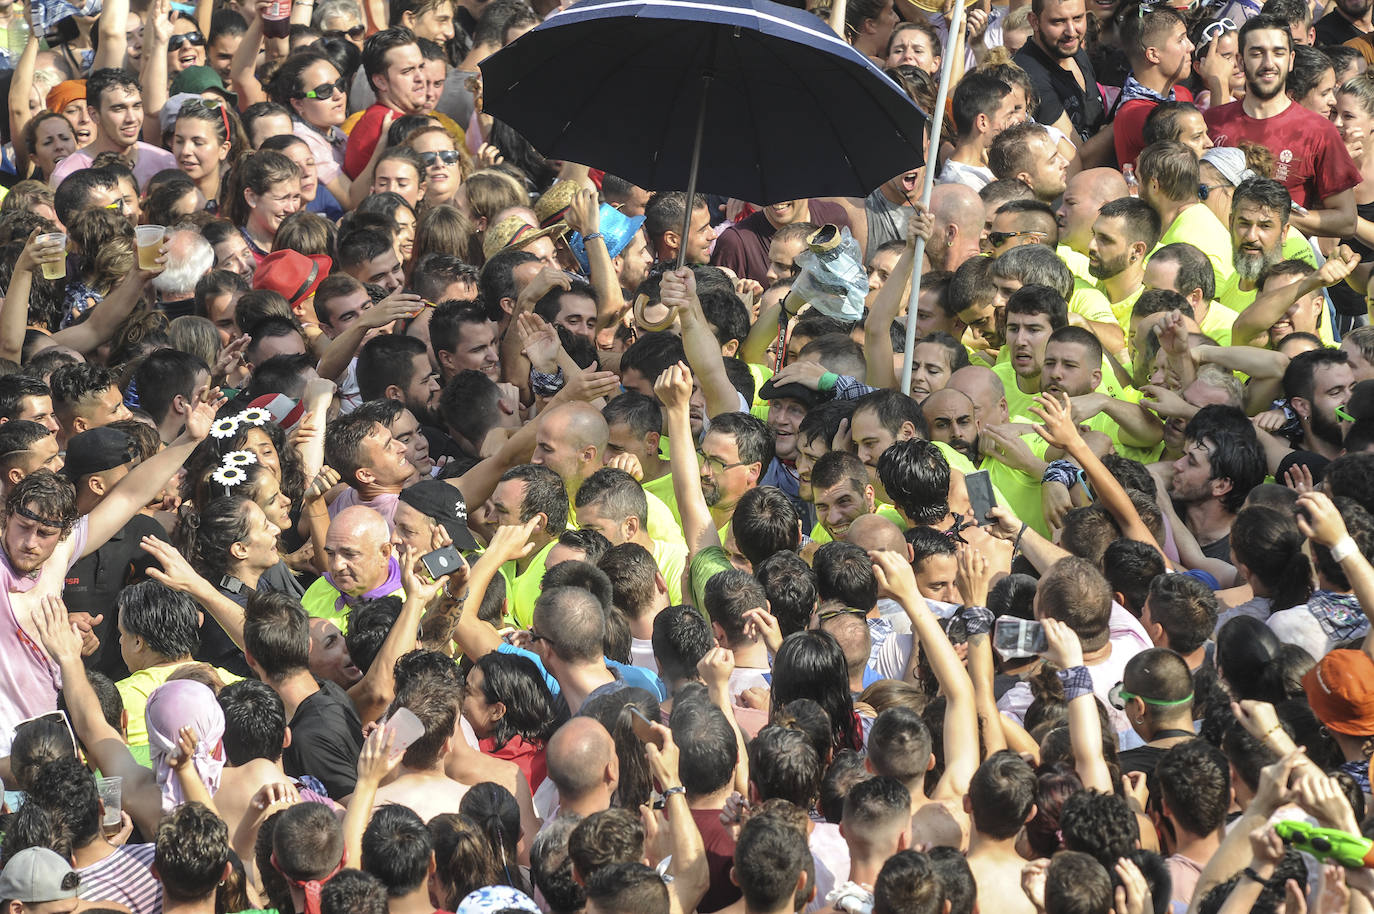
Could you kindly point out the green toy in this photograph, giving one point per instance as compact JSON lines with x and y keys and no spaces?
{"x":1327,"y":843}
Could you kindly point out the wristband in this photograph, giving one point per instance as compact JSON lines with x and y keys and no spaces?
{"x":546,"y":385}
{"x":1077,"y":682}
{"x":827,"y":382}
{"x":1345,"y":547}
{"x":672,"y":790}
{"x":1249,"y":873}
{"x":593,"y":236}
{"x":1064,"y":472}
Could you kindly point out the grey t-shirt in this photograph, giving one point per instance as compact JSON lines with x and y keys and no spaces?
{"x":886,"y":221}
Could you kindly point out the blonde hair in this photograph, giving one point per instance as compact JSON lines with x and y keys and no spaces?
{"x":1362,"y":87}
{"x":489,"y":191}
{"x":196,"y":335}
{"x":112,"y":262}
{"x":446,"y":230}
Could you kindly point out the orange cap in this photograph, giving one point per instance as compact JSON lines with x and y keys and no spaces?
{"x":64,"y":93}
{"x":1340,"y":690}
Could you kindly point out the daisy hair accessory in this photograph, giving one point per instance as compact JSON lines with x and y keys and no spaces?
{"x":229,"y":476}
{"x":254,"y":415}
{"x":225,"y":428}
{"x":239,"y":459}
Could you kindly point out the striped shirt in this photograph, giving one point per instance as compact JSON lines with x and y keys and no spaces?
{"x":126,"y":877}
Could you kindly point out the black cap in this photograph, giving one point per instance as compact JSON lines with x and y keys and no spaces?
{"x":96,"y":451}
{"x":799,"y":392}
{"x":443,"y":504}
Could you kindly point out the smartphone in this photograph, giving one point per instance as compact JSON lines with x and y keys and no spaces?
{"x":442,"y":561}
{"x":405,"y":728}
{"x":980,"y":495}
{"x":1013,"y":637}
{"x":643,"y":727}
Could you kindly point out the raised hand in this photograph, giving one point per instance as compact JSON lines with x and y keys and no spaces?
{"x":326,"y":479}
{"x":396,"y":306}
{"x":1057,"y":424}
{"x":176,"y":572}
{"x":584,"y":215}
{"x":1319,"y":520}
{"x":678,"y":289}
{"x":895,"y":577}
{"x":59,"y":635}
{"x":972,"y":576}
{"x":207,"y":401}
{"x":674,"y":387}
{"x":1064,"y":649}
{"x":589,"y":384}
{"x":512,"y":541}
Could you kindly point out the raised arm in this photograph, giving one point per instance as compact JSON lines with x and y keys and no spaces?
{"x":21,"y":84}
{"x":145,"y":481}
{"x":99,"y":328}
{"x":154,"y":78}
{"x":679,"y":289}
{"x":1274,"y":302}
{"x":1321,"y":523}
{"x":243,"y":69}
{"x":399,"y":304}
{"x":114,"y":35}
{"x":674,"y":389}
{"x":476,"y":638}
{"x":176,"y":572}
{"x":887,"y":304}
{"x":584,"y":216}
{"x":375,"y":762}
{"x":1085,"y":727}
{"x":142,"y":798}
{"x":972,"y":581}
{"x":897,"y":580}
{"x":14,"y":317}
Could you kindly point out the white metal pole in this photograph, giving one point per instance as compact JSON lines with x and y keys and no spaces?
{"x":937,"y":118}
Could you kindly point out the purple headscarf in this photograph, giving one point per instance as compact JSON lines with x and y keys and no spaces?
{"x":182,"y":703}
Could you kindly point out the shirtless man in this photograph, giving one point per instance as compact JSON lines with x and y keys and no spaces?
{"x":420,"y":781}
{"x":1001,"y":799}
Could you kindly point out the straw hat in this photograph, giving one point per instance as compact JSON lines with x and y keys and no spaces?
{"x":513,"y":232}
{"x":552,"y":208}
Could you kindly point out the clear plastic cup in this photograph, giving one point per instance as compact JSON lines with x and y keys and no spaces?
{"x":149,"y":240}
{"x":111,"y":794}
{"x":57,"y":268}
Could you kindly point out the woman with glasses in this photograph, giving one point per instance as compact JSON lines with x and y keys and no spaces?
{"x":310,"y":87}
{"x":205,"y":138}
{"x":445,"y":166}
{"x":186,"y":47}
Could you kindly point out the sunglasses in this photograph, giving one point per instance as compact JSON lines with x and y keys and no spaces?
{"x":1214,"y":30}
{"x":997,"y":239}
{"x":447,"y":156}
{"x":1205,"y":190}
{"x":192,"y":38}
{"x":212,"y":106}
{"x":356,"y":32}
{"x":323,"y":91}
{"x":1118,"y":696}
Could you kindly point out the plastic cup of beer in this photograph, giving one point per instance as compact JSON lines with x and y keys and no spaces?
{"x":55,"y":269}
{"x":111,"y":794}
{"x":149,"y":239}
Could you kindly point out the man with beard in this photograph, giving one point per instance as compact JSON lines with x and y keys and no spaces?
{"x":369,"y":461}
{"x":1027,"y":153}
{"x":1289,"y":300}
{"x":395,"y":367}
{"x":1169,"y":183}
{"x":1318,"y":383}
{"x":1156,"y":43}
{"x":1344,"y":21}
{"x":1311,"y":161}
{"x":1125,"y":233}
{"x":1222,"y":461}
{"x":958,"y":214}
{"x":1084,"y":196}
{"x":1259,"y":224}
{"x":950,"y":416}
{"x":1058,"y":66}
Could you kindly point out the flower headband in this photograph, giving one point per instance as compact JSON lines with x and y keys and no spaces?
{"x":231,"y":472}
{"x":229,"y":426}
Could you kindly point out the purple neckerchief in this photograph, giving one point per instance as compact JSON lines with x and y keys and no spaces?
{"x":387,"y":587}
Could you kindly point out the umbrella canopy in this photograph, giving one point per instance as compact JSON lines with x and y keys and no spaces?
{"x":791,"y":111}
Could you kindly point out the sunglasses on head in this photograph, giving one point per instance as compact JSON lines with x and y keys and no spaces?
{"x":192,"y":38}
{"x":324,"y":90}
{"x":1214,"y":30}
{"x":447,"y":156}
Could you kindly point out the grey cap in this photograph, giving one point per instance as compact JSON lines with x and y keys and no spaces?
{"x":35,"y":875}
{"x":1230,"y":162}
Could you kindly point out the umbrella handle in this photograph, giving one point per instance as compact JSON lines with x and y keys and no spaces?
{"x":642,"y":302}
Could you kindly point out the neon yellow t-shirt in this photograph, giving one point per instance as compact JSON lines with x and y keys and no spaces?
{"x":671,"y":559}
{"x":135,"y":688}
{"x":1218,"y":322}
{"x":1076,"y":262}
{"x":821,"y":535}
{"x":1020,"y":491}
{"x":1197,"y":225}
{"x":662,"y":489}
{"x":1087,"y":301}
{"x":321,"y":601}
{"x":522,"y":588}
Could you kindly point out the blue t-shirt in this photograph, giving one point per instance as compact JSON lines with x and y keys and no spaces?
{"x":635,"y":676}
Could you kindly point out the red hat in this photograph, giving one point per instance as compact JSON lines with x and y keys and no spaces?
{"x":1340,"y":691}
{"x":292,"y":274}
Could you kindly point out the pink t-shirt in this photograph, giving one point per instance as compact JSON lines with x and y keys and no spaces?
{"x":151,"y":160}
{"x":29,"y":680}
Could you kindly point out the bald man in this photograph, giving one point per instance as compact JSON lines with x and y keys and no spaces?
{"x":952,"y":418}
{"x":361,"y":566}
{"x":571,"y":441}
{"x":982,"y":386}
{"x":583,"y":766}
{"x":1083,"y":198}
{"x":875,"y":533}
{"x":959,"y":215}
{"x":851,"y":632}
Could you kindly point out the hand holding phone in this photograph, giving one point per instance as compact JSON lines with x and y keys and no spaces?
{"x":643,"y":727}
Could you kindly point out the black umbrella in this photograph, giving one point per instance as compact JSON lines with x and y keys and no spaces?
{"x":743,"y":98}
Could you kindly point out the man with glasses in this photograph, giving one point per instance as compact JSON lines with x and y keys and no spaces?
{"x":1022,"y":222}
{"x":115,"y":102}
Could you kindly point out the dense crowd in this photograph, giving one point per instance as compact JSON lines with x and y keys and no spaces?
{"x":392,"y":525}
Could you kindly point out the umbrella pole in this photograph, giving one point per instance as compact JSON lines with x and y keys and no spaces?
{"x":956,"y":26}
{"x":688,"y":205}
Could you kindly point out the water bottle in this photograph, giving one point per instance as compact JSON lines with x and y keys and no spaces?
{"x":1132,"y":185}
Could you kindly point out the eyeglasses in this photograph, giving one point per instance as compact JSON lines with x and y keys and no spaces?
{"x":447,"y":156}
{"x":209,"y":105}
{"x":1118,"y":696}
{"x":1214,"y":30}
{"x":997,"y":239}
{"x":192,"y":38}
{"x":716,"y":464}
{"x":829,"y":614}
{"x":323,"y":91}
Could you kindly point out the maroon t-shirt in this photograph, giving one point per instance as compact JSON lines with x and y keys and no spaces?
{"x":720,"y":857}
{"x":1309,"y":157}
{"x":743,"y":247}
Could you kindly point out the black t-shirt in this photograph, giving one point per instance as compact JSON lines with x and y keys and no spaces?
{"x":1333,"y":28}
{"x":326,"y":739}
{"x":1059,"y":92}
{"x":216,"y":647}
{"x":94,"y":582}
